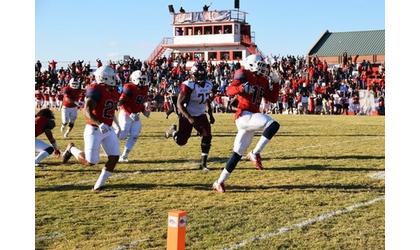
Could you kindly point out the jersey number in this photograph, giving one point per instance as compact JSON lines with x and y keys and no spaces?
{"x":257,"y":95}
{"x":204,"y":97}
{"x":108,"y":108}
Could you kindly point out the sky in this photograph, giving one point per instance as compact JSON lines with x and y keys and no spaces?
{"x":78,"y":29}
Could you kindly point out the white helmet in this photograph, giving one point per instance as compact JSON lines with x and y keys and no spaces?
{"x":106,"y":75}
{"x":74,"y":84}
{"x":256,"y":64}
{"x":138,"y":78}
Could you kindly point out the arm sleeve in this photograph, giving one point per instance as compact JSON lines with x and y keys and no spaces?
{"x":185,"y":90}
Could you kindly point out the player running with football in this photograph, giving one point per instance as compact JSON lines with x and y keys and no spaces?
{"x":250,"y":85}
{"x":101,"y":103}
{"x":44,"y":123}
{"x":69,"y":109}
{"x":132,"y":100}
{"x":193,"y":100}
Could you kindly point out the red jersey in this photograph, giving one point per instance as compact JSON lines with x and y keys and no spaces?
{"x":251,"y":102}
{"x":70,"y":93}
{"x":106,"y":103}
{"x":60,"y":96}
{"x":82,"y":95}
{"x":133,"y":98}
{"x":42,"y":124}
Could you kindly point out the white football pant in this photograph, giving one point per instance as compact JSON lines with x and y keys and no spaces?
{"x":68,"y":115}
{"x":94,"y":139}
{"x":129,"y":128}
{"x":247,"y":124}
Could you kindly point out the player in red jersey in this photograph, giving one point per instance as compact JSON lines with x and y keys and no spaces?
{"x":101,"y":103}
{"x":38,"y":97}
{"x":132,"y":100}
{"x":46,"y":103}
{"x":250,"y":85}
{"x":44,"y":123}
{"x":193,"y":101}
{"x":60,"y":97}
{"x":53,"y":98}
{"x":69,"y":110}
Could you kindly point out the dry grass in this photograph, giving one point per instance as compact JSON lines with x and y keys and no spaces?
{"x":315,"y":165}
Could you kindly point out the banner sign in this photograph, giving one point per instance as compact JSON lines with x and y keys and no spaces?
{"x":206,"y":16}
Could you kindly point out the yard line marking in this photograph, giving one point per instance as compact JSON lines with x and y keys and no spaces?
{"x":53,"y":235}
{"x":308,"y":222}
{"x":132,"y":244}
{"x":378,"y":175}
{"x":124,"y":175}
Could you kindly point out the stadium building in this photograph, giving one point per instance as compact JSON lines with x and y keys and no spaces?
{"x":222,"y":35}
{"x":368,"y":45}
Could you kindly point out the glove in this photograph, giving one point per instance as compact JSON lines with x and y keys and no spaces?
{"x":134,"y":116}
{"x":247,"y":88}
{"x":104,"y":128}
{"x":147,"y":114}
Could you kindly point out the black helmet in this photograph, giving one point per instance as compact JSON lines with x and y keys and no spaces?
{"x":199,"y":72}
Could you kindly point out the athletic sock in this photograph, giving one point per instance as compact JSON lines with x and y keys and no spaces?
{"x":204,"y":157}
{"x":42,"y":155}
{"x":260,"y":145}
{"x":102,"y":178}
{"x":125,"y":153}
{"x":223,"y":176}
{"x":75,"y":152}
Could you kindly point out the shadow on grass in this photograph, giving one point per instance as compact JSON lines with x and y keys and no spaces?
{"x":327,"y":135}
{"x":207,"y":187}
{"x":335,"y":157}
{"x":319,"y":167}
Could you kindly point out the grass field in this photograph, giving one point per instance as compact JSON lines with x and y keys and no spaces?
{"x":315,"y":166}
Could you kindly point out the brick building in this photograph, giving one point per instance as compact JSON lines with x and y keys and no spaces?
{"x":369,"y":45}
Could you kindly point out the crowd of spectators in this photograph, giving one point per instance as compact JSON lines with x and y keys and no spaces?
{"x":308,"y":86}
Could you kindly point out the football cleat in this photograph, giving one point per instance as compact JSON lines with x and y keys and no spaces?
{"x":256,"y":159}
{"x":39,"y":166}
{"x":67,"y":154}
{"x":219,"y":187}
{"x":98,"y":190}
{"x":123,"y":159}
{"x":62,"y":128}
{"x":169,"y":133}
{"x":204,"y":167}
{"x":66,"y":135}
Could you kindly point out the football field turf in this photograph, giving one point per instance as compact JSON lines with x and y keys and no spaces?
{"x":321,"y":189}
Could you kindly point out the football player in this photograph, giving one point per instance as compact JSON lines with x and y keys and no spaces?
{"x":39,"y":98}
{"x":69,"y":110}
{"x":193,"y":101}
{"x":101,"y":103}
{"x":44,"y":123}
{"x":132,"y":100}
{"x":250,"y":85}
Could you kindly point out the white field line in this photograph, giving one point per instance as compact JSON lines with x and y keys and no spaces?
{"x":50,"y":236}
{"x":132,"y":244}
{"x":125,"y":175}
{"x":377,"y":175}
{"x":308,"y":222}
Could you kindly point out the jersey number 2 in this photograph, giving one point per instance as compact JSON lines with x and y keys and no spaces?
{"x":108,"y":107}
